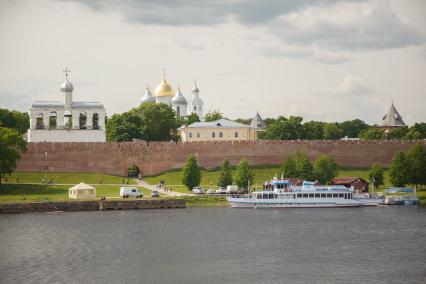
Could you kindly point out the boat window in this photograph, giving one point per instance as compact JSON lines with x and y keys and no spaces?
{"x":311,"y":195}
{"x":340,"y":195}
{"x":259,"y":196}
{"x":133,"y":190}
{"x":323,"y":195}
{"x":329,"y":195}
{"x":350,"y":195}
{"x":335,"y":195}
{"x":299,"y":195}
{"x":346,"y":196}
{"x":317,"y":195}
{"x":305,"y":195}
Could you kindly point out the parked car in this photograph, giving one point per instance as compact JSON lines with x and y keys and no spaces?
{"x":232,"y":189}
{"x":211,"y":191}
{"x":155,"y":193}
{"x":198,"y":190}
{"x":221,"y":190}
{"x":127,"y":192}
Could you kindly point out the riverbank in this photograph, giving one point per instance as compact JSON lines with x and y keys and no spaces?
{"x":91,"y":205}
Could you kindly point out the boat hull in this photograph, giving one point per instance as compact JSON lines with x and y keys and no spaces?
{"x":240,"y":203}
{"x":370,"y":201}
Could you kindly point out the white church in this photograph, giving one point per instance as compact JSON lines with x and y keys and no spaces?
{"x":163,"y":93}
{"x":66,"y":120}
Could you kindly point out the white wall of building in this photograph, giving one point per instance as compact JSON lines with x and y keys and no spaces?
{"x":63,"y":135}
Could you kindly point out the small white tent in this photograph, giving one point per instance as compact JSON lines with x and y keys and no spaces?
{"x":82,"y":190}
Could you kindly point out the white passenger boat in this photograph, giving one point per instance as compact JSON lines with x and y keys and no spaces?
{"x":280,"y":193}
{"x":368,"y":200}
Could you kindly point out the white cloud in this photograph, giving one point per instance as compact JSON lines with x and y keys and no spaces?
{"x":298,"y":52}
{"x":368,"y":25}
{"x":352,"y":85}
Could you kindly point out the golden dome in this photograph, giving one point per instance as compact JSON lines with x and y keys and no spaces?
{"x":163,"y":89}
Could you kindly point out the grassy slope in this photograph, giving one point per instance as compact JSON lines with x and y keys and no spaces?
{"x":67,"y":178}
{"x":264,"y":173}
{"x":38,"y":192}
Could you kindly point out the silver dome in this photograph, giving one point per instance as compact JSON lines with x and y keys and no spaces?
{"x":147,"y":98}
{"x":195,"y":89}
{"x":67,"y":86}
{"x":178,"y":98}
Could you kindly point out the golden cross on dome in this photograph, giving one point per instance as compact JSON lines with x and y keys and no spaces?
{"x":66,"y":71}
{"x":164,"y":73}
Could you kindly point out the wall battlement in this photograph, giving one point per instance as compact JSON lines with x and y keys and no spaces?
{"x":155,"y":157}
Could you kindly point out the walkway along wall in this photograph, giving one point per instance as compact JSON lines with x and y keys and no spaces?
{"x":152,"y":158}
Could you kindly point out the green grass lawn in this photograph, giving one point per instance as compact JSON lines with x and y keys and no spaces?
{"x":262,"y":173}
{"x":38,"y":192}
{"x":67,"y":178}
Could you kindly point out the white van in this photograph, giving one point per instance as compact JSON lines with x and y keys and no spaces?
{"x":232,"y":189}
{"x":127,"y":192}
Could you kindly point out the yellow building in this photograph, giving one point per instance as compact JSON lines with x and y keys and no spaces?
{"x":218,"y":130}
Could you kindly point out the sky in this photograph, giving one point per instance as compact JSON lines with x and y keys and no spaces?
{"x":320,"y":59}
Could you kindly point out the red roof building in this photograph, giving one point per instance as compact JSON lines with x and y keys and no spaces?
{"x":358,"y":184}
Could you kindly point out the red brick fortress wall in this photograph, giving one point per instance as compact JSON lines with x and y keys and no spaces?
{"x":152,"y":158}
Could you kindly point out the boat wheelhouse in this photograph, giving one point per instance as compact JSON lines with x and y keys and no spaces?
{"x":280,"y":193}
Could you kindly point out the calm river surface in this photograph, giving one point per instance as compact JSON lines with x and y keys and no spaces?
{"x":216,"y":245}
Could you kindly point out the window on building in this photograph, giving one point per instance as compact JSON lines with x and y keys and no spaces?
{"x":83,"y":120}
{"x":195,"y":108}
{"x":52,"y":119}
{"x":220,"y":134}
{"x":190,"y":134}
{"x":39,"y":121}
{"x":198,"y":134}
{"x":236,"y":134}
{"x":178,"y":111}
{"x":213,"y":134}
{"x":68,"y":119}
{"x":95,"y":121}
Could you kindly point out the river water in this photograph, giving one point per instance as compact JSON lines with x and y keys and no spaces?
{"x":216,"y":245}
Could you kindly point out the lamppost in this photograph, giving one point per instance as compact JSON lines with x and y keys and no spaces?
{"x":45,"y":167}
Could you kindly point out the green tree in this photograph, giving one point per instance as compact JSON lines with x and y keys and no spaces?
{"x":303,"y":165}
{"x":193,"y":117}
{"x":123,"y":127}
{"x":191,"y":172}
{"x":11,"y":145}
{"x":399,"y":170}
{"x":19,"y":121}
{"x":416,"y":157}
{"x":284,"y":129}
{"x":332,"y":131}
{"x":244,"y":174}
{"x":376,"y":175}
{"x":288,"y":168}
{"x":158,"y":122}
{"x":372,"y":133}
{"x":413,"y":134}
{"x":352,"y":128}
{"x":225,"y":177}
{"x":245,"y":121}
{"x":397,"y":133}
{"x":325,"y":169}
{"x":313,"y":130}
{"x":213,"y":115}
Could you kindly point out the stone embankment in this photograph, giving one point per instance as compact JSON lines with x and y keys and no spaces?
{"x":91,"y":205}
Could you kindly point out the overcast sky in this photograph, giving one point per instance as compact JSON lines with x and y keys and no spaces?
{"x":321,"y":59}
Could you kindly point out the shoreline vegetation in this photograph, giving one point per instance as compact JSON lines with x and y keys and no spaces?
{"x":28,"y":187}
